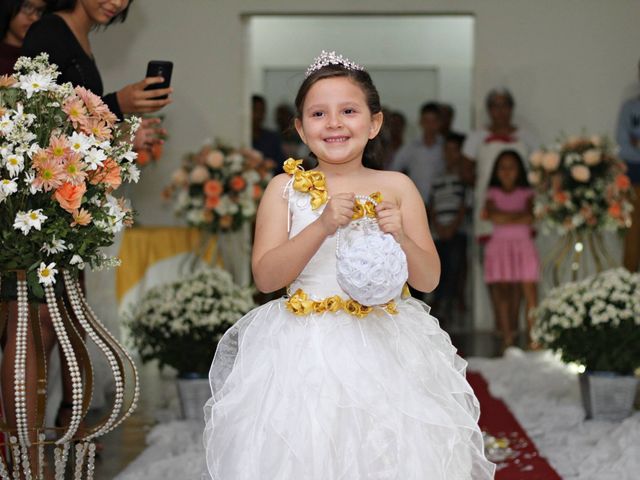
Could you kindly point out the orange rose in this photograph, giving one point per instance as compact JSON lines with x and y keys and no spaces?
{"x":69,"y":196}
{"x":257,"y":192}
{"x":615,"y":210}
{"x":212,"y":188}
{"x":237,"y":183}
{"x":108,"y":173}
{"x":623,"y":182}
{"x":226,"y":221}
{"x":211,"y":202}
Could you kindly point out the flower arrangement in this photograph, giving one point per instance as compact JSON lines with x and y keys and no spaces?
{"x":62,"y":157}
{"x":594,"y":322}
{"x":581,"y":185}
{"x":153,"y":152}
{"x":218,"y":189}
{"x":180,"y":323}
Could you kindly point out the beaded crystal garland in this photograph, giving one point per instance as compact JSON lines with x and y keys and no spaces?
{"x":331,"y":58}
{"x":70,"y":315}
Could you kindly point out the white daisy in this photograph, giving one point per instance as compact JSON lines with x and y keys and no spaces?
{"x":33,"y":148}
{"x":56,"y":246}
{"x":133,"y":173}
{"x":6,"y":124}
{"x":80,"y":143}
{"x":14,"y":163}
{"x":35,"y":218}
{"x":35,"y":82}
{"x":77,"y":260}
{"x":130,"y":156}
{"x":6,"y":149}
{"x":95,"y":158}
{"x":29,"y":177}
{"x":8,"y":187}
{"x":47,"y":273}
{"x":21,"y":223}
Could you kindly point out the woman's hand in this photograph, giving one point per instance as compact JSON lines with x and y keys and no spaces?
{"x":390,"y":220}
{"x":337,"y":213}
{"x":135,"y":99}
{"x":149,"y":133}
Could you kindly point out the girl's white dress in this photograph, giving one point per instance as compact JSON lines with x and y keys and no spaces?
{"x":330,"y":396}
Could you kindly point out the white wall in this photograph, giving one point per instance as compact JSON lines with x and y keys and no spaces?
{"x":568,"y":63}
{"x":444,"y":43}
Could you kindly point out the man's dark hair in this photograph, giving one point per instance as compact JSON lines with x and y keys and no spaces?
{"x":430,"y":107}
{"x":456,"y":138}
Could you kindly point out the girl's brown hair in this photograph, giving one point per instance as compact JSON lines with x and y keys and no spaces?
{"x":371,"y":157}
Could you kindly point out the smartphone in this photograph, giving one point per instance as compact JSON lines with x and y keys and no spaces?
{"x":159,"y":68}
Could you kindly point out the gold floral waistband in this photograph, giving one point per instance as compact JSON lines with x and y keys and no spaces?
{"x":300,"y":304}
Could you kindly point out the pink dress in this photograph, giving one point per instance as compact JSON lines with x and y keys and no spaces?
{"x":510,"y":254}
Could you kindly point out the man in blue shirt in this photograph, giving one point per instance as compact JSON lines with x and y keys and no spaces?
{"x":628,"y":138}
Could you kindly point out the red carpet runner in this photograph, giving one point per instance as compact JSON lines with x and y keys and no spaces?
{"x":497,"y":420}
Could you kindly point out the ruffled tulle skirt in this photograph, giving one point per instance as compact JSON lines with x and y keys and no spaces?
{"x":333,"y":397}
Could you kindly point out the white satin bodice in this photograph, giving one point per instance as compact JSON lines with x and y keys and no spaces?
{"x":318,"y":278}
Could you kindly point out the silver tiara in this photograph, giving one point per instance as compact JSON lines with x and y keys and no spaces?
{"x":331,"y":58}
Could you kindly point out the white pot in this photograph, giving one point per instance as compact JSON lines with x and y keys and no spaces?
{"x":608,"y":395}
{"x":193,"y":394}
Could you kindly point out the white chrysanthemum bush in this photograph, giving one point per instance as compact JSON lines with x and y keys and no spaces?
{"x":62,"y":156}
{"x":594,"y":322}
{"x":179,"y":324}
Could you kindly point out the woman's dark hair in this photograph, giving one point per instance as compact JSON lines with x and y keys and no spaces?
{"x":8,"y":10}
{"x":521,"y":181}
{"x":372,"y":156}
{"x":67,"y":5}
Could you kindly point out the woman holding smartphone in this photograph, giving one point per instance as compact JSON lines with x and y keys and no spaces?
{"x":64,"y":35}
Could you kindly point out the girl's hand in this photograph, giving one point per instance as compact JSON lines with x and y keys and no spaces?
{"x":135,"y":99}
{"x":337,"y":213}
{"x":390,"y":220}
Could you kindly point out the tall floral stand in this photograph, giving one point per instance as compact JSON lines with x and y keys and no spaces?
{"x":234,"y":249}
{"x":74,"y":323}
{"x":578,"y":254}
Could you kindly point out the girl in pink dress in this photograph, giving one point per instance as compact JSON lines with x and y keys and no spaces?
{"x":511,"y":264}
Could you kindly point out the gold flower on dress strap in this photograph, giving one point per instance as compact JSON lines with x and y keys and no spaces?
{"x":312,"y":182}
{"x":291,"y":165}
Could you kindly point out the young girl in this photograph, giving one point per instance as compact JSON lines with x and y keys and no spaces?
{"x":318,"y":386}
{"x":511,"y":265}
